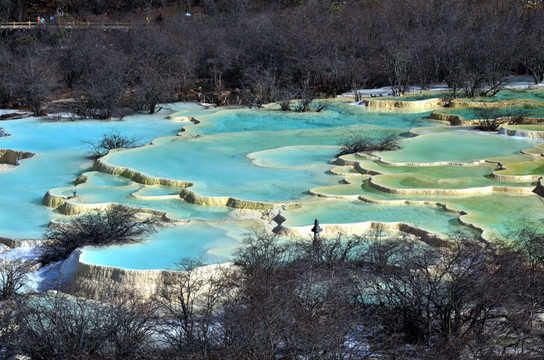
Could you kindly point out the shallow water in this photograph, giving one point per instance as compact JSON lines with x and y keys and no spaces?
{"x":260,"y":155}
{"x":526,"y":127}
{"x":475,"y":113}
{"x":535,"y":167}
{"x":60,"y":148}
{"x":219,"y":166}
{"x":457,"y":147}
{"x":331,"y":211}
{"x":168,"y":247}
{"x":514,"y":94}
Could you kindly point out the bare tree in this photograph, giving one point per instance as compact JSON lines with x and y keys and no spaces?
{"x":530,"y":47}
{"x":447,"y":302}
{"x":153,"y":64}
{"x":13,"y":275}
{"x":10,"y":332}
{"x":56,"y":325}
{"x":28,"y":76}
{"x":263,"y":86}
{"x":192,"y":301}
{"x":96,"y":68}
{"x":290,"y":301}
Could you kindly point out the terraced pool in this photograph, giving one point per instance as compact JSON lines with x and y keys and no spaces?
{"x":230,"y":170}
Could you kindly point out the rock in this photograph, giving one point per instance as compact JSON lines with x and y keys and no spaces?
{"x":3,"y":248}
{"x":14,"y":115}
{"x":19,"y":357}
{"x":12,"y":157}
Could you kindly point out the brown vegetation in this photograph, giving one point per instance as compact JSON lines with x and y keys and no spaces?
{"x":256,"y":52}
{"x":392,"y":297}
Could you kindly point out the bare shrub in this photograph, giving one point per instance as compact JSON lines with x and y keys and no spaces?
{"x":319,"y":105}
{"x":305,"y":103}
{"x":116,"y":225}
{"x":285,"y":104}
{"x":302,"y":105}
{"x":489,"y":119}
{"x":358,"y":143}
{"x":10,"y":332}
{"x":109,"y":141}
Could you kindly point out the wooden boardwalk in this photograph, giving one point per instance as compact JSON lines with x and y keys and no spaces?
{"x":28,"y":25}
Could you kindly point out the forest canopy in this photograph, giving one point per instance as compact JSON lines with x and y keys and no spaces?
{"x":255,"y":52}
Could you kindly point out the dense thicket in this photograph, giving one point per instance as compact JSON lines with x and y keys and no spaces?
{"x":256,"y":52}
{"x":339,"y":298}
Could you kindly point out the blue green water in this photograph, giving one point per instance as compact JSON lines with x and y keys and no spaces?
{"x":219,"y":146}
{"x":475,"y":113}
{"x":258,"y":154}
{"x":330,"y":211}
{"x":166,"y":249}
{"x":60,"y":148}
{"x":512,"y":94}
{"x":336,"y":116}
{"x":294,"y":156}
{"x":219,"y":166}
{"x":456,"y":147}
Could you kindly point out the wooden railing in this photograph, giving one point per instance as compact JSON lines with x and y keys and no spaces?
{"x":66,"y":24}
